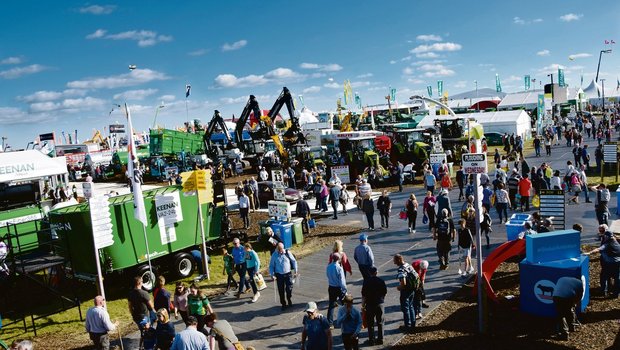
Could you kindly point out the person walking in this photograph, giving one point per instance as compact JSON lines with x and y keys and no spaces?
{"x":502,"y":201}
{"x":525,"y":188}
{"x":228,"y":269}
{"x":443,"y":202}
{"x":252,"y":263}
{"x":406,"y":275}
{"x":430,"y":181}
{"x":281,"y":268}
{"x":461,"y":178}
{"x":567,"y":294}
{"x":364,"y":257}
{"x":374,"y":291}
{"x":161,"y":297}
{"x":165,"y":332}
{"x":238,"y":253}
{"x":337,"y":286}
{"x":316,"y":333}
{"x":465,"y":243}
{"x":190,"y":338}
{"x":411,"y":208}
{"x":98,"y":324}
{"x":141,"y":306}
{"x":384,"y":205}
{"x":444,"y":234}
{"x":548,"y":146}
{"x":344,"y":261}
{"x":430,"y":203}
{"x":302,"y":210}
{"x":583,"y":178}
{"x":198,"y":305}
{"x":513,"y":187}
{"x":324,"y":194}
{"x":350,"y":322}
{"x":180,"y":301}
{"x":334,"y":199}
{"x":600,"y":203}
{"x":368,"y":207}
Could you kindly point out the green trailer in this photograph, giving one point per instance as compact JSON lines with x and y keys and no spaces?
{"x":20,"y":227}
{"x":128,"y":252}
{"x":165,"y":142}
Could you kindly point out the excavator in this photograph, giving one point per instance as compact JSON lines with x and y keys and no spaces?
{"x":97,"y":139}
{"x":215,"y":151}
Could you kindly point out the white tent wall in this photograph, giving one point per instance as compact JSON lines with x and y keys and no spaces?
{"x":517,"y":122}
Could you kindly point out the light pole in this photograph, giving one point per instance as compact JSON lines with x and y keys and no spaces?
{"x":477,"y":102}
{"x":599,"y":61}
{"x":603,"y":88}
{"x":552,"y":98}
{"x":156,"y":112}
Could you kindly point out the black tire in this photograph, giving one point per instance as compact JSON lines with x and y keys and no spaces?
{"x":184,"y":265}
{"x":148,"y":279}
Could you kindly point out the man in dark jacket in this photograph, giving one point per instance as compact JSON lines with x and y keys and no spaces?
{"x":443,"y":202}
{"x":334,"y":198}
{"x":567,"y":293}
{"x":373,"y":295}
{"x":302,"y":210}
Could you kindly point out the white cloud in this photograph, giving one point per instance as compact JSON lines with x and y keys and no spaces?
{"x":406,"y":58}
{"x":365,"y":75}
{"x":11,"y":60}
{"x":377,"y":88}
{"x":521,"y":21}
{"x":71,"y":105}
{"x":538,"y":20}
{"x":21,"y":71}
{"x":436,"y":47}
{"x":512,"y":78}
{"x":460,"y":84}
{"x":199,"y":52}
{"x":276,"y":75}
{"x":317,"y":75}
{"x":135,"y":94}
{"x":420,"y":63}
{"x":415,"y":81}
{"x":392,"y":62}
{"x":330,"y":67}
{"x":135,"y":77}
{"x":427,"y":55}
{"x":429,"y":37}
{"x":231,"y":100}
{"x":41,"y":96}
{"x":312,"y":89}
{"x":440,"y":73}
{"x":167,"y":98}
{"x":429,"y":67}
{"x":98,"y":9}
{"x":408,"y":71}
{"x":332,"y":85}
{"x":553,"y":69}
{"x":543,"y":53}
{"x":579,"y":55}
{"x":359,"y":84}
{"x":234,"y":46}
{"x":518,"y":20}
{"x":15,"y":116}
{"x":570,"y":17}
{"x":144,"y":38}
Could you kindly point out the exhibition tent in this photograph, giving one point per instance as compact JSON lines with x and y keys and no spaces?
{"x":28,"y":165}
{"x":517,"y":121}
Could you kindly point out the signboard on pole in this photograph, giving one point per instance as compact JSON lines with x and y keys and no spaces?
{"x":47,"y":137}
{"x":343,"y":173}
{"x":610,"y":152}
{"x":437,"y":158}
{"x":279,"y":193}
{"x":277,"y":176}
{"x":475,"y":163}
{"x":553,"y":206}
{"x":168,"y":209}
{"x":116,"y":129}
{"x":88,"y":189}
{"x":101,"y":222}
{"x":281,"y":210}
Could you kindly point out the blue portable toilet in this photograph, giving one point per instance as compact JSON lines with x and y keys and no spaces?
{"x":284,"y":230}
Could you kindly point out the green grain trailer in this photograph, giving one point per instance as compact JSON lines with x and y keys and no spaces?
{"x":73,"y":227}
{"x":165,"y":142}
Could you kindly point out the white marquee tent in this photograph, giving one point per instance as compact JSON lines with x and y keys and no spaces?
{"x":525,"y":99}
{"x":29,"y":165}
{"x":517,"y":121}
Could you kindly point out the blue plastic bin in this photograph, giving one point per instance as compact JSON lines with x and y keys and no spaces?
{"x":523,"y":217}
{"x":513,"y":228}
{"x":284,"y":230}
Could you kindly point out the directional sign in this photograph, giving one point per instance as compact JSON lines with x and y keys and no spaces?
{"x":553,"y":205}
{"x":277,"y":176}
{"x":279,"y":193}
{"x":474,"y":163}
{"x":610,"y":152}
{"x":101,"y":222}
{"x":437,"y":158}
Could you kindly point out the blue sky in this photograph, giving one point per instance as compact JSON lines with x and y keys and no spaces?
{"x":63,"y":65}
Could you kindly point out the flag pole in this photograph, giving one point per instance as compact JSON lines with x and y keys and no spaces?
{"x":148,"y":253}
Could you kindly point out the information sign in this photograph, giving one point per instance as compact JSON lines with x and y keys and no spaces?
{"x":553,"y":206}
{"x":277,"y":176}
{"x":475,"y":163}
{"x":610,"y":152}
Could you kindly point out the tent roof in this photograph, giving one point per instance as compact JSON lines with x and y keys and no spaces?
{"x":468,"y":102}
{"x":520,"y":98}
{"x":500,"y":117}
{"x":306,"y":116}
{"x":593,"y":90}
{"x":31,"y":164}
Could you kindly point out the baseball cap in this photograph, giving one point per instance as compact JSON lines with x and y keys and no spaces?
{"x":363,"y":237}
{"x":311,"y":306}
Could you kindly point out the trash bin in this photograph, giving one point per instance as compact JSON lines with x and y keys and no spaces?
{"x":298,"y":231}
{"x":513,"y":228}
{"x":522,"y":217}
{"x":284,"y":230}
{"x":617,"y":201}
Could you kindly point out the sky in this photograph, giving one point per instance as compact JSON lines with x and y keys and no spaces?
{"x":64,"y":65}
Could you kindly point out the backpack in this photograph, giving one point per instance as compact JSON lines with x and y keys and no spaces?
{"x":412,"y":279}
{"x":443,"y":230}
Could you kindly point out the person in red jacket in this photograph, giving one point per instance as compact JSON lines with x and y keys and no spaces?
{"x":525,"y":187}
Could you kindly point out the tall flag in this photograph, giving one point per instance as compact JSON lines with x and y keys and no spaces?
{"x":301,"y":100}
{"x":618,"y":86}
{"x":527,"y":82}
{"x":358,"y":100}
{"x":429,"y":89}
{"x":439,"y":88}
{"x":561,"y":81}
{"x":348,"y":92}
{"x":188,"y":88}
{"x":498,"y":84}
{"x":581,"y":84}
{"x":133,"y":171}
{"x":392,"y":94}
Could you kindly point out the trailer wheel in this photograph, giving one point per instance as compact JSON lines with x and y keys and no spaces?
{"x":183,"y":265}
{"x":148,"y":278}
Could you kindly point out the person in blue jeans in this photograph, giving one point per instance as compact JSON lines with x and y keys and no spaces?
{"x":238,"y":253}
{"x":337,"y":285}
{"x":406,"y":293}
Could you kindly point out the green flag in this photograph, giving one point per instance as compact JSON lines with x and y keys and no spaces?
{"x":439,"y":88}
{"x":561,"y":82}
{"x":498,"y":84}
{"x":392,"y":94}
{"x":429,"y":89}
{"x":527,"y":82}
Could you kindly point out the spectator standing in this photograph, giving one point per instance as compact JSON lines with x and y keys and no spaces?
{"x":460,"y":181}
{"x":344,"y":261}
{"x":513,"y":187}
{"x":140,"y":305}
{"x":281,"y":268}
{"x":248,"y":190}
{"x":316,"y":333}
{"x":548,"y":146}
{"x":323,"y":196}
{"x":407,"y":291}
{"x":190,"y":338}
{"x":583,"y":178}
{"x":350,"y":322}
{"x":384,"y":205}
{"x":334,"y":199}
{"x":238,"y":253}
{"x":344,"y":199}
{"x":600,"y":203}
{"x":272,"y":239}
{"x":444,"y":233}
{"x":164,"y":333}
{"x":368,"y":207}
{"x":430,"y":203}
{"x":610,"y":261}
{"x":244,"y":209}
{"x":411,"y":208}
{"x":430,"y":181}
{"x":502,"y":201}
{"x":198,"y":305}
{"x":180,"y":301}
{"x":567,"y":293}
{"x":525,"y":188}
{"x":337,"y":286}
{"x":373,"y":296}
{"x":364,"y":257}
{"x":485,"y":225}
{"x":443,"y":202}
{"x":252,"y":263}
{"x":302,"y":210}
{"x":421,"y":267}
{"x":537,"y":146}
{"x":98,"y":324}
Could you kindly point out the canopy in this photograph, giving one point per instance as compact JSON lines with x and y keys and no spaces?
{"x":31,"y":164}
{"x":511,"y":122}
{"x":306,"y":116}
{"x":525,"y":99}
{"x":593,"y":90}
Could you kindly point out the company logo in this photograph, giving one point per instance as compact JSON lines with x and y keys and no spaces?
{"x":543,"y":290}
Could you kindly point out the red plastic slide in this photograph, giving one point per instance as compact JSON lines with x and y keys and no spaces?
{"x":493,"y":260}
